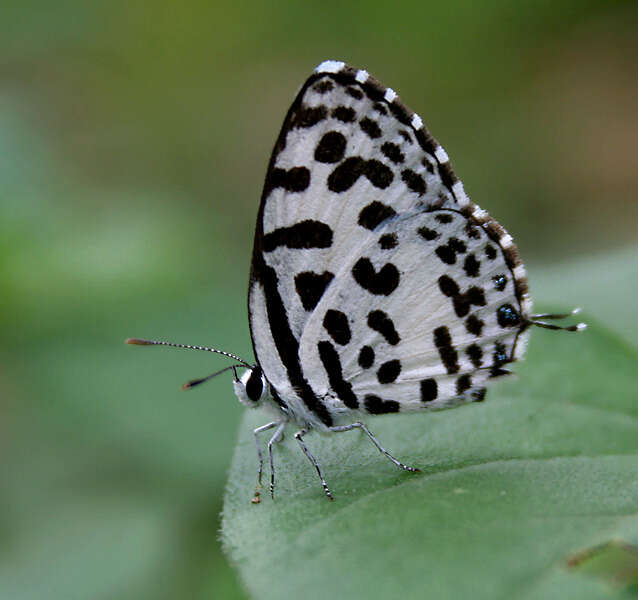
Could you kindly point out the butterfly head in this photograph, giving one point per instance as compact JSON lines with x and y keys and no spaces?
{"x":252,"y":388}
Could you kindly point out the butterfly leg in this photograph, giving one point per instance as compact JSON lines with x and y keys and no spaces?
{"x":299,"y":437}
{"x":374,"y":440}
{"x":260,"y":458}
{"x":277,"y":436}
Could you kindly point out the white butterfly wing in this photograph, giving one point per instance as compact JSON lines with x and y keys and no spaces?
{"x":423,"y":327}
{"x":349,"y":157}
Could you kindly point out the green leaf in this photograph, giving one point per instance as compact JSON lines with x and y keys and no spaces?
{"x":510,"y":489}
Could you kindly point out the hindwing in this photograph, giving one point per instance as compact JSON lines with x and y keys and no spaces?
{"x":421,"y":324}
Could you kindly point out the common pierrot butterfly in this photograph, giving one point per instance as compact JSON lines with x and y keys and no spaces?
{"x":376,"y":285}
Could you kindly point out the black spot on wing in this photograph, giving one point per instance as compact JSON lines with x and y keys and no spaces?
{"x":346,"y":174}
{"x":496,"y":372}
{"x":378,"y":174}
{"x":447,"y":252}
{"x":478,"y":395}
{"x":472,"y":231}
{"x":380,"y":108}
{"x":388,"y":241}
{"x":463,"y":383}
{"x":336,"y":324}
{"x":475,"y":354}
{"x":305,"y":234}
{"x":331,"y":147}
{"x":345,"y":114}
{"x":471,"y":266}
{"x":447,"y":352}
{"x":462,"y":302}
{"x":500,"y":281}
{"x":429,"y":390}
{"x":324,"y":86}
{"x":376,"y":406}
{"x":296,"y":179}
{"x":382,"y":323}
{"x":311,"y":286}
{"x":374,"y":214}
{"x":370,"y":128}
{"x":490,"y":252}
{"x":389,"y":371}
{"x":414,"y":181}
{"x":443,"y":217}
{"x":507,"y":316}
{"x":499,"y":357}
{"x":366,"y":357}
{"x":474,"y":296}
{"x":428,"y":234}
{"x":355,"y":92}
{"x":393,"y":152}
{"x":331,"y":363}
{"x":448,"y":286}
{"x":474,"y":325}
{"x":428,"y":165}
{"x":381,"y":283}
{"x":308,"y":116}
{"x":349,"y":171}
{"x":406,"y":136}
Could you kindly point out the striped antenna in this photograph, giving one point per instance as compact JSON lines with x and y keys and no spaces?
{"x":557,"y":315}
{"x":553,"y":316}
{"x":578,"y":327}
{"x":193,"y":382}
{"x":140,"y":342}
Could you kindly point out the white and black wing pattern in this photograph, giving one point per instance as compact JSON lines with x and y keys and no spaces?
{"x":421,"y":321}
{"x":353,"y":171}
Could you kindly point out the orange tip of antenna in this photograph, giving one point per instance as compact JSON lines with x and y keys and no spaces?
{"x":187,"y":386}
{"x":138,"y":342}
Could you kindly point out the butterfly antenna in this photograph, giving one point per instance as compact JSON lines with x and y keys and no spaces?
{"x":579,"y":327}
{"x":189,"y":384}
{"x":556,"y":315}
{"x":534,"y":320}
{"x":140,"y":342}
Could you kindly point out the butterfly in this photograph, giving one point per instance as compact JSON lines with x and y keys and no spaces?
{"x":376,"y":285}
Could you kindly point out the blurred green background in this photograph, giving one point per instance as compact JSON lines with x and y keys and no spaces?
{"x":134,"y":139}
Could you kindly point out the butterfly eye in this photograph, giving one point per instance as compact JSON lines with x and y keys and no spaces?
{"x":252,"y":388}
{"x":254,"y":385}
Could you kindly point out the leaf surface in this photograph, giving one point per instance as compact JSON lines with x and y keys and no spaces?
{"x":509,"y":490}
